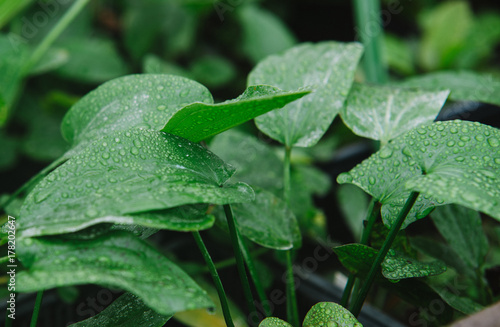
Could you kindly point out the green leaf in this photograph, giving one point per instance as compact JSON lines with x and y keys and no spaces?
{"x":267,"y":221}
{"x":198,"y":121}
{"x":274,"y":322}
{"x":353,"y":203}
{"x":9,"y":151}
{"x":154,"y":65}
{"x":135,"y":101}
{"x":127,"y":311}
{"x":264,"y":34}
{"x":213,"y":71}
{"x":463,"y":304}
{"x":462,"y":229}
{"x":445,"y":29}
{"x":330,"y":314}
{"x":464,"y":85}
{"x":54,"y":58}
{"x":328,"y":68}
{"x":125,"y":173}
{"x":398,"y":54}
{"x":8,"y":9}
{"x":385,"y":112}
{"x":356,"y":258}
{"x":118,"y":260}
{"x":397,"y":266}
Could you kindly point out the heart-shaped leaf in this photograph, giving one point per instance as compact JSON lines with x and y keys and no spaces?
{"x":118,"y":260}
{"x":198,"y":121}
{"x":330,"y":314}
{"x":274,"y":322}
{"x":267,"y":221}
{"x":124,"y":173}
{"x":328,"y":68}
{"x":385,"y":112}
{"x":135,"y":101}
{"x":127,"y":311}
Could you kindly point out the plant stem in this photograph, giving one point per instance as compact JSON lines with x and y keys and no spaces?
{"x":287,"y":189}
{"x":240,"y":264}
{"x":375,"y":268}
{"x":370,"y":31}
{"x":215,"y":278}
{"x":56,"y":31}
{"x":36,"y":309}
{"x":373,"y":212}
{"x":255,"y":277}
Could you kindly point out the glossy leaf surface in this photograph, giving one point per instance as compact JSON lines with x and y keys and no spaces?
{"x":128,"y":172}
{"x":327,"y":68}
{"x":330,"y":314}
{"x":198,"y":121}
{"x":274,"y":322}
{"x":126,"y":311}
{"x":118,"y":260}
{"x":385,"y":112}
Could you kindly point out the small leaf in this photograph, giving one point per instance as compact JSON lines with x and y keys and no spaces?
{"x":385,"y":112}
{"x":154,"y":65}
{"x":353,"y":203}
{"x":274,"y":322}
{"x":330,"y":314}
{"x":464,"y":85}
{"x":126,"y":173}
{"x":213,"y":71}
{"x":127,"y":311}
{"x":267,"y":221}
{"x":135,"y":101}
{"x":199,"y":121}
{"x":356,"y":258}
{"x":462,"y":229}
{"x":118,"y":260}
{"x":398,"y":54}
{"x":397,"y":266}
{"x":463,"y":304}
{"x":328,"y":68}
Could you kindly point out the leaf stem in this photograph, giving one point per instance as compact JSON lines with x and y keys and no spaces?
{"x":240,"y":264}
{"x":56,"y":31}
{"x":215,"y":278}
{"x":370,"y":31}
{"x":286,"y":175}
{"x":375,"y":268}
{"x":36,"y":309}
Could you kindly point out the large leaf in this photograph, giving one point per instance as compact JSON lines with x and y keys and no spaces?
{"x":454,"y":162}
{"x":274,"y":322}
{"x":263,"y":33}
{"x":462,"y":229}
{"x":198,"y":121}
{"x":385,"y":112}
{"x":124,"y":173}
{"x":267,"y":221}
{"x":127,"y":311}
{"x":135,"y":101}
{"x":330,"y":314}
{"x":118,"y":260}
{"x":464,"y":85}
{"x":326,"y":67}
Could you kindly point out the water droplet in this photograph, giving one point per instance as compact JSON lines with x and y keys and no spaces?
{"x":134,"y":151}
{"x":161,"y":107}
{"x":91,"y":212}
{"x":137,"y":143}
{"x":105,"y":155}
{"x":372,"y":180}
{"x":494,"y":142}
{"x":42,"y":196}
{"x":184,"y":93}
{"x":385,"y":153}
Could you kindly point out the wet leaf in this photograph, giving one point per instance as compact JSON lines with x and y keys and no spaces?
{"x":135,"y":101}
{"x":127,"y":311}
{"x":464,"y":85}
{"x":356,"y":258}
{"x":327,"y":68}
{"x":198,"y":121}
{"x":267,"y":221}
{"x":397,"y":266}
{"x":118,"y":260}
{"x":274,"y":322}
{"x":125,"y":173}
{"x":330,"y":314}
{"x":385,"y":112}
{"x":462,"y":229}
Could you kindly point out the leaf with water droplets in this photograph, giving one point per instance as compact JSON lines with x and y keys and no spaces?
{"x":274,"y":322}
{"x":464,"y":85}
{"x":198,"y":121}
{"x":462,"y":229}
{"x":267,"y":221}
{"x":397,"y":266}
{"x":356,"y":258}
{"x":134,"y":101}
{"x":119,"y":260}
{"x":128,"y":173}
{"x":330,"y":314}
{"x":327,"y":68}
{"x":385,"y":112}
{"x":126,"y":311}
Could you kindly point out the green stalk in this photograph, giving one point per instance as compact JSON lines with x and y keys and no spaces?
{"x":215,"y":278}
{"x":255,"y":277}
{"x":56,"y":31}
{"x":36,"y":309}
{"x":370,"y":31}
{"x":375,"y":268}
{"x":240,"y":264}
